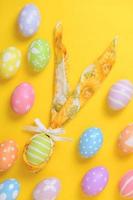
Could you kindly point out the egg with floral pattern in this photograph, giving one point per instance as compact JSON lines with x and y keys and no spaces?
{"x":10,"y":61}
{"x":90,"y":142}
{"x":8,"y":154}
{"x":94,"y":181}
{"x":9,"y":189}
{"x":39,"y":54}
{"x":22,"y":98}
{"x":125,"y":141}
{"x":48,"y":189}
{"x":29,"y":20}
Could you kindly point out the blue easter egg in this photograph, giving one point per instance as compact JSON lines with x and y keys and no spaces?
{"x":9,"y":189}
{"x":90,"y":142}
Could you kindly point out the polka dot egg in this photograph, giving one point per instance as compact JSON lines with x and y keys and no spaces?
{"x":22,"y":98}
{"x":95,"y":181}
{"x":120,"y":94}
{"x":126,"y":185}
{"x":9,"y":189}
{"x":47,"y":189}
{"x":90,"y":142}
{"x":39,"y":54}
{"x":125,"y":141}
{"x":10,"y":60}
{"x":29,"y":20}
{"x":8,"y":154}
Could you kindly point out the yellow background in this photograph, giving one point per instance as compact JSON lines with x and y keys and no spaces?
{"x":89,"y":26}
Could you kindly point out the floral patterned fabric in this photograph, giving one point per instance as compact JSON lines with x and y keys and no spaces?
{"x":90,"y":81}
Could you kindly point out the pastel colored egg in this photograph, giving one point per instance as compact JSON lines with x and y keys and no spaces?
{"x":10,"y":61}
{"x":95,"y":181}
{"x":48,"y":189}
{"x":90,"y":142}
{"x":39,"y":54}
{"x":125,"y":141}
{"x":29,"y":20}
{"x":126,"y":185}
{"x":9,"y":189}
{"x":22,"y":98}
{"x":120,"y":94}
{"x":8,"y":154}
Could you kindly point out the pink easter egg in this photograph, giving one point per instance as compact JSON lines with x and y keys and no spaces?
{"x":125,"y":141}
{"x":95,"y":181}
{"x":120,"y":94}
{"x":22,"y":98}
{"x":47,"y":189}
{"x":126,"y":185}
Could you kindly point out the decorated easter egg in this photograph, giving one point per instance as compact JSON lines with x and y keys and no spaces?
{"x":125,"y":141}
{"x":120,"y":94}
{"x":95,"y":181}
{"x":22,"y":98}
{"x":126,"y":185}
{"x":10,"y":60}
{"x":90,"y":142}
{"x":9,"y":189}
{"x":29,"y":20}
{"x":8,"y":154}
{"x":48,"y":189}
{"x":39,"y":54}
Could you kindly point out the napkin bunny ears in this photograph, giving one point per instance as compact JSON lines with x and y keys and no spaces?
{"x":65,"y":105}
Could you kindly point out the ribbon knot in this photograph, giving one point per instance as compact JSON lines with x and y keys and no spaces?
{"x":41,"y":128}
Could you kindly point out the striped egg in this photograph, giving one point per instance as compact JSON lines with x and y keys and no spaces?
{"x":120,"y":94}
{"x":90,"y":142}
{"x":40,"y":149}
{"x":8,"y":154}
{"x":126,"y":185}
{"x":125,"y":141}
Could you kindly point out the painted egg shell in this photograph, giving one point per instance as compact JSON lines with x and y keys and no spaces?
{"x":48,"y":189}
{"x":22,"y":98}
{"x":95,"y":181}
{"x":120,"y":94}
{"x":126,"y":185}
{"x":10,"y":60}
{"x":39,"y":54}
{"x":90,"y":142}
{"x":9,"y":189}
{"x":8,"y":154}
{"x":125,"y":141}
{"x":29,"y":20}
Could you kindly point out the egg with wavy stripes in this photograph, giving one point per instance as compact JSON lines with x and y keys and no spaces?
{"x":126,"y":185}
{"x":120,"y":94}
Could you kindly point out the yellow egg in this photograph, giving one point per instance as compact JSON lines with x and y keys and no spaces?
{"x":10,"y":61}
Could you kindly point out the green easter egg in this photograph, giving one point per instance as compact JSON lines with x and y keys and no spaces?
{"x":39,"y":54}
{"x":10,"y":60}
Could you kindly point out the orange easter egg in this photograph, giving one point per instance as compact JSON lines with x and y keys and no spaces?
{"x":8,"y":154}
{"x":125,"y":141}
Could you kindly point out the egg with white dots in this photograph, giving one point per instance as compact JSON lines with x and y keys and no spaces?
{"x":9,"y":189}
{"x":95,"y":180}
{"x":29,"y":20}
{"x":39,"y":55}
{"x":90,"y":142}
{"x":22,"y":98}
{"x":10,"y":62}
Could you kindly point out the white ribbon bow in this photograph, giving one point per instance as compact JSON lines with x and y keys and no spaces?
{"x":53,"y":133}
